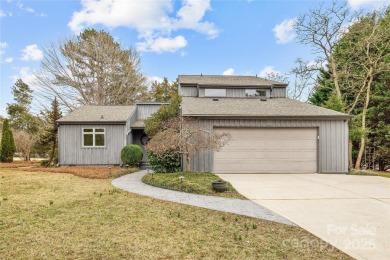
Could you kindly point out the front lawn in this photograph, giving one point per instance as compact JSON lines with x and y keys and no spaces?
{"x":91,"y":172}
{"x":193,"y":182}
{"x":62,"y":216}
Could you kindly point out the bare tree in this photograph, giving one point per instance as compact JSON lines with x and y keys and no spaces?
{"x":24,"y":142}
{"x":90,"y":69}
{"x":187,"y":136}
{"x":301,"y":79}
{"x":321,"y":28}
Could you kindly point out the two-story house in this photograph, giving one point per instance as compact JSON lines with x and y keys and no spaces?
{"x":270,"y":132}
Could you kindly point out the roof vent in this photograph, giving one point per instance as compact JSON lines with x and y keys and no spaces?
{"x":263,"y":98}
{"x":102,"y":117}
{"x":215,"y":99}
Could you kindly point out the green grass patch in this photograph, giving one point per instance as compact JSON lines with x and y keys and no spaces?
{"x":362,"y":172}
{"x":193,"y":182}
{"x":47,"y":215}
{"x":369,"y":173}
{"x":384,"y":174}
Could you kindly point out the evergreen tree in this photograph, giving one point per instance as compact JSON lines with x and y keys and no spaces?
{"x":19,"y":115}
{"x":164,"y":91}
{"x":7,"y":143}
{"x":50,"y":133}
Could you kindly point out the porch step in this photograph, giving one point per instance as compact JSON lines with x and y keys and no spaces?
{"x":145,"y":166}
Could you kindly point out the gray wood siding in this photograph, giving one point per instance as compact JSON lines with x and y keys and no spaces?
{"x":71,"y":151}
{"x":279,"y":92}
{"x":332,"y":144}
{"x":130,"y":121}
{"x":233,"y":92}
{"x":188,"y":91}
{"x":146,"y":110}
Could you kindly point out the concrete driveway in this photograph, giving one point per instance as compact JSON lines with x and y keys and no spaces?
{"x":350,"y":212}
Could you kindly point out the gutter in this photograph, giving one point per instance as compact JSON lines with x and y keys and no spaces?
{"x":326,"y":117}
{"x":91,"y":122}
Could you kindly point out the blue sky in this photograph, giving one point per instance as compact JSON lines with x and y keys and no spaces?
{"x":173,"y":37}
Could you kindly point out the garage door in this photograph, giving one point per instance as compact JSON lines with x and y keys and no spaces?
{"x":268,"y":150}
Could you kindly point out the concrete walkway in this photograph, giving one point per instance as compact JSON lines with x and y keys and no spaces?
{"x":132,"y":183}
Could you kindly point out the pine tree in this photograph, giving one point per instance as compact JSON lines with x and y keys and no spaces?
{"x":19,"y":115}
{"x":50,"y":133}
{"x":7,"y":143}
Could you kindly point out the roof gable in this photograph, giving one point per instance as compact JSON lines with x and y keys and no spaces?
{"x":99,"y":114}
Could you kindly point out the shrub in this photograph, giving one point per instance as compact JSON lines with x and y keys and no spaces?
{"x":8,"y":147}
{"x":169,"y":161}
{"x":43,"y":163}
{"x":132,"y":154}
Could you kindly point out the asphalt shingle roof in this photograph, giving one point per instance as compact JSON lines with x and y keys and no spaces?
{"x":90,"y":113}
{"x":223,"y":80}
{"x":253,"y":107}
{"x":138,"y":124}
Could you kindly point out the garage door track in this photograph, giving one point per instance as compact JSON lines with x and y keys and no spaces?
{"x":350,"y":212}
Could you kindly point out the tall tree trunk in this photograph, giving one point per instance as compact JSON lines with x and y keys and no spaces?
{"x":336,"y":78}
{"x":350,"y":161}
{"x":188,"y":164}
{"x":363,"y":127}
{"x":52,"y":154}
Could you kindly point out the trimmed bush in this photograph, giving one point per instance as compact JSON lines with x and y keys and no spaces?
{"x":168,"y":161}
{"x":132,"y":154}
{"x":7,"y":144}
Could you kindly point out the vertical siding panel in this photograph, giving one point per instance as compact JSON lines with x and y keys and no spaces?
{"x":146,"y":110}
{"x":73,"y":153}
{"x":189,"y":91}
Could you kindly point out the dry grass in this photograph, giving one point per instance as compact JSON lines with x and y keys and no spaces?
{"x":18,"y":164}
{"x":91,"y":172}
{"x":61,"y":216}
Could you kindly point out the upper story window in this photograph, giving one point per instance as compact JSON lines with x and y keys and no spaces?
{"x":255,"y":93}
{"x":94,"y":137}
{"x":215,"y":92}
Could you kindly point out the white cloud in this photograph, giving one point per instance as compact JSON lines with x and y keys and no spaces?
{"x":5,"y":13}
{"x":24,"y":8}
{"x":3,"y":112}
{"x":31,"y":52}
{"x":152,"y":79}
{"x":155,"y":78}
{"x":8,"y":59}
{"x":357,"y":4}
{"x":26,"y":74}
{"x":229,"y":71}
{"x":267,"y":71}
{"x":3,"y":45}
{"x":161,"y":44}
{"x":190,"y":16}
{"x":284,"y":31}
{"x":153,"y":20}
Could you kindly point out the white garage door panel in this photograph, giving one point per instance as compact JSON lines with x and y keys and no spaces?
{"x":268,"y":150}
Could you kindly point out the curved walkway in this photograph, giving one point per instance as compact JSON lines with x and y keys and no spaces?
{"x":133,"y":183}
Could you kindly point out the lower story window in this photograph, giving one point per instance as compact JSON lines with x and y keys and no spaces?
{"x":94,"y":137}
